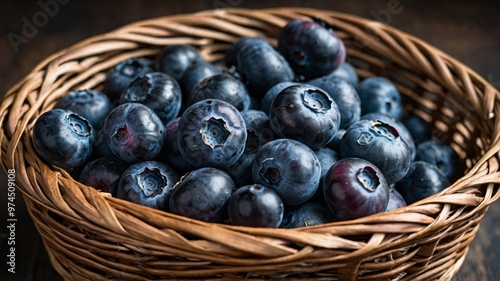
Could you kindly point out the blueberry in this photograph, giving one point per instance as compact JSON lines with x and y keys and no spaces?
{"x":202,"y":194}
{"x":158,"y":91}
{"x":288,"y":167}
{"x":90,"y":104}
{"x":170,"y":153}
{"x":400,"y":127}
{"x":257,"y":206}
{"x":347,"y":72}
{"x":148,"y":183}
{"x":307,"y":214}
{"x":262,"y":67}
{"x":123,"y":74}
{"x":231,"y":56}
{"x":354,"y":188}
{"x":174,"y":60}
{"x":272,"y":93}
{"x":380,"y":143}
{"x":221,"y":86}
{"x":103,"y":174}
{"x":134,"y":132}
{"x":63,"y":138}
{"x":423,"y":180}
{"x":345,"y":96}
{"x":311,"y":49}
{"x":419,"y":129}
{"x":378,"y":94}
{"x":211,"y":133}
{"x":396,"y":200}
{"x":443,"y":157}
{"x":305,"y":113}
{"x":197,"y":71}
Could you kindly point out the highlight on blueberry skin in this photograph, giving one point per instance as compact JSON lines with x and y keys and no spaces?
{"x":211,"y":133}
{"x":133,"y":132}
{"x":305,"y":113}
{"x":203,"y":194}
{"x":90,"y":104}
{"x":147,"y":183}
{"x":158,"y":91}
{"x":63,"y":138}
{"x":380,"y":143}
{"x":355,"y":188}
{"x":257,"y":206}
{"x":290,"y":168}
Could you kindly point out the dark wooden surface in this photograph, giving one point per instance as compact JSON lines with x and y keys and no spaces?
{"x":468,"y":32}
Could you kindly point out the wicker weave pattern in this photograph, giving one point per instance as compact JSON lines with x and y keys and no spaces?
{"x":91,"y":236}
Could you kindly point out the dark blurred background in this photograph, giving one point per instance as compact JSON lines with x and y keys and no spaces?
{"x":469,"y":32}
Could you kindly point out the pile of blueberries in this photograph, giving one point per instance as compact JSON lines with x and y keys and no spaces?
{"x":267,"y":137}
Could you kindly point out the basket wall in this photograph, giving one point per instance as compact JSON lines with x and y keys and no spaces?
{"x":91,"y":236}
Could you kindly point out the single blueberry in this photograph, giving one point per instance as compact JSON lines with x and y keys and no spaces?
{"x":103,"y":174}
{"x":380,"y":143}
{"x":147,"y":183}
{"x":345,"y":96}
{"x":262,"y":67}
{"x":305,"y":113}
{"x":307,"y":214}
{"x":211,"y":133}
{"x":400,"y":127}
{"x":422,"y":180}
{"x":63,"y":138}
{"x":443,"y":156}
{"x":197,"y":71}
{"x":257,"y":206}
{"x":311,"y":49}
{"x":354,"y":188}
{"x":290,"y":168}
{"x":378,"y":94}
{"x":272,"y":93}
{"x":158,"y":91}
{"x":174,"y":60}
{"x":202,"y":194}
{"x":90,"y":104}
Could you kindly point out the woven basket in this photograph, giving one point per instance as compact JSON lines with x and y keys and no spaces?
{"x":91,"y":236}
